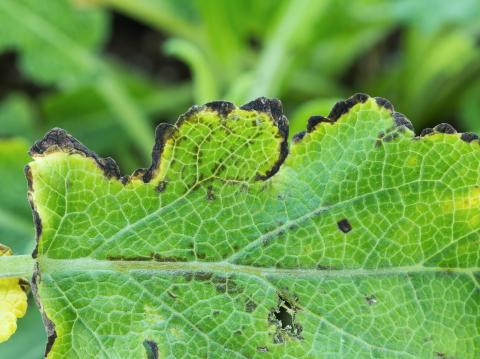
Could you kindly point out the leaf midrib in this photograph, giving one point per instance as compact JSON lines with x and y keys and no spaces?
{"x":50,"y":265}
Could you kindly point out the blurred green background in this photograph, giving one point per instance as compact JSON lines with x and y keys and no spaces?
{"x":109,"y":71}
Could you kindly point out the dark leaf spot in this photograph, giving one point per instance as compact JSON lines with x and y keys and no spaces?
{"x":344,"y":225}
{"x":250,"y":306}
{"x":151,"y":349}
{"x":161,"y":186}
{"x":210,"y":195}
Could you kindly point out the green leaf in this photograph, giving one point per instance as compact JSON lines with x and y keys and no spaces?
{"x":58,"y":45}
{"x":363,"y":243}
{"x":16,"y":228}
{"x":16,"y":116}
{"x":53,"y":47}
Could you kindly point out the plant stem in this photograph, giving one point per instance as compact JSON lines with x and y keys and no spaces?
{"x":128,"y":114}
{"x":16,"y":266}
{"x":296,"y":15}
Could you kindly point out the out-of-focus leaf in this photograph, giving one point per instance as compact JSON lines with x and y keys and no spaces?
{"x":470,"y":109}
{"x":431,"y":14}
{"x":205,"y":85}
{"x":58,"y":45}
{"x":16,"y":117}
{"x":56,"y":42}
{"x":16,"y":226}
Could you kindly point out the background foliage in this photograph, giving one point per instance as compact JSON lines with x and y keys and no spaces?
{"x":108,"y":71}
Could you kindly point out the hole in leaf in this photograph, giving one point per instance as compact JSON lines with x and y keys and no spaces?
{"x":284,"y":318}
{"x":285,"y":314}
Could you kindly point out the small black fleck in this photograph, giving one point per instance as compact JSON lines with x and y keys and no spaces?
{"x":371,"y":299}
{"x":161,"y":186}
{"x":171,"y":294}
{"x":344,"y":225}
{"x":262,"y":349}
{"x":210,"y":195}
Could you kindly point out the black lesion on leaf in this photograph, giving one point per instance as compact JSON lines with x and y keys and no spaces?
{"x":283,"y":316}
{"x":299,"y":136}
{"x":342,"y":107}
{"x":262,"y":349}
{"x":162,"y":133}
{"x":444,"y":128}
{"x":402,"y":121}
{"x":384,"y":103}
{"x":222,"y":107}
{"x":313,"y":121}
{"x":36,"y":216}
{"x":151,"y":349}
{"x":274,"y":108}
{"x":49,"y":325}
{"x":426,"y":131}
{"x":469,"y":137}
{"x":58,"y":139}
{"x":344,"y":225}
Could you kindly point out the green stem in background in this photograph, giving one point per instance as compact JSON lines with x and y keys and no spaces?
{"x":127,"y":112}
{"x":205,"y":86}
{"x":153,"y":13}
{"x":295,"y":16}
{"x":16,"y":266}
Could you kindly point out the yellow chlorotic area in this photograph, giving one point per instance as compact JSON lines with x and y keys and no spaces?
{"x":13,"y":302}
